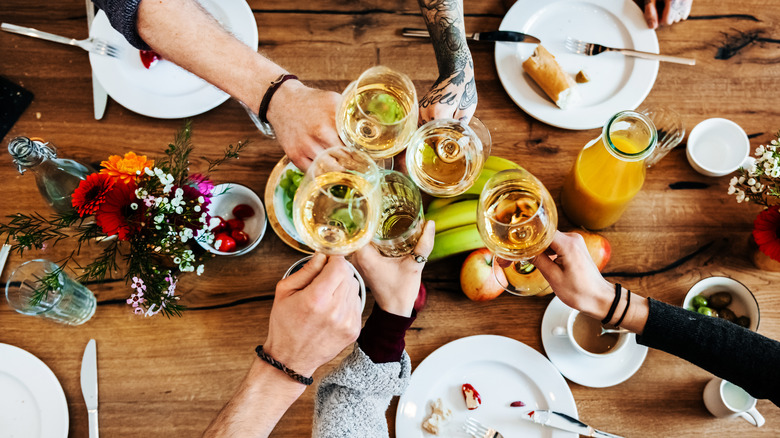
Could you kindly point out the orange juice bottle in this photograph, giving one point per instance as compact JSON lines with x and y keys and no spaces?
{"x":609,"y":171}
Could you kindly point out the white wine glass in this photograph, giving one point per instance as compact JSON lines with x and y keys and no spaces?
{"x":445,"y":156}
{"x":337,"y":205}
{"x":378,"y":112}
{"x":401,"y":220}
{"x":517,"y":219}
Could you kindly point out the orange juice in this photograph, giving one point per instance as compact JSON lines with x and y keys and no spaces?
{"x":608,"y":172}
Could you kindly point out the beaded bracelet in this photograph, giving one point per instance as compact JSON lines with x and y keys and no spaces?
{"x":280,"y":366}
{"x":611,"y":313}
{"x":628,"y":303}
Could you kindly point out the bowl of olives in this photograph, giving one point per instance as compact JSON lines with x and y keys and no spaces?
{"x":725,"y":298}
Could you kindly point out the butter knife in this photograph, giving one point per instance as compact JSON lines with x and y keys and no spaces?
{"x":559,"y":420}
{"x":498,"y":35}
{"x":89,"y":386}
{"x":99,"y":95}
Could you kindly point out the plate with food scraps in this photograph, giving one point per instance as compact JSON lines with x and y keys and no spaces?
{"x":615,"y":82}
{"x":279,"y":193}
{"x":165,"y":90}
{"x":503,"y":371}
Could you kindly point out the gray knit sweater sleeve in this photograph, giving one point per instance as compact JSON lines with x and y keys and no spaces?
{"x":352,"y":400}
{"x":122,"y":15}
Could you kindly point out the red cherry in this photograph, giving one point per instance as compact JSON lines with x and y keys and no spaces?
{"x":221,"y":227}
{"x":243,"y":211}
{"x":223,"y":242}
{"x":235,"y":224}
{"x":149,"y":58}
{"x":240,"y":237}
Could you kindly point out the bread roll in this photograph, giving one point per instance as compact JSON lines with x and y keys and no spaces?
{"x":545,"y":71}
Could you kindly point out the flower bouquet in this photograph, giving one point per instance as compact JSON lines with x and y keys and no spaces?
{"x":145,"y":212}
{"x":760,"y":184}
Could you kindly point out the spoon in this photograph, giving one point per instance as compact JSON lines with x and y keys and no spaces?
{"x":606,"y":330}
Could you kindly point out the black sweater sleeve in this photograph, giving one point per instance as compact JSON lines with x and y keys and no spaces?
{"x":122,"y":14}
{"x":734,"y":353}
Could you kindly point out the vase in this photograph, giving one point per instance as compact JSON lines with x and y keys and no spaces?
{"x":761,"y":260}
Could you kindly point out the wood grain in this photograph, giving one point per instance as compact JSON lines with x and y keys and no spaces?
{"x":162,"y":377}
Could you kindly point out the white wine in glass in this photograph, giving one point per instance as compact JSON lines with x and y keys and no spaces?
{"x":378,"y":112}
{"x":336,"y":207}
{"x":516,"y":218}
{"x":445,"y":156}
{"x":401,"y":220}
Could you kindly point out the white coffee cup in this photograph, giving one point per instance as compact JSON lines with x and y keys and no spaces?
{"x":727,"y":400}
{"x":568,"y":332}
{"x":717,"y":147}
{"x":362,"y":290}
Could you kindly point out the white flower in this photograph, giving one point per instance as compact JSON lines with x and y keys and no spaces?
{"x":200,"y":269}
{"x":751,"y":181}
{"x":134,"y":206}
{"x":775,"y":172}
{"x":732,"y":190}
{"x":740,"y":196}
{"x":167,"y":188}
{"x":196,"y":208}
{"x":179,"y":210}
{"x":179,"y":192}
{"x":741,"y":180}
{"x":733,"y":181}
{"x":768,"y":156}
{"x":201,"y":200}
{"x":755,"y":189}
{"x":176,"y":260}
{"x":760,"y":151}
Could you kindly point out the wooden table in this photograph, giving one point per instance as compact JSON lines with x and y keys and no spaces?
{"x":161,"y":377}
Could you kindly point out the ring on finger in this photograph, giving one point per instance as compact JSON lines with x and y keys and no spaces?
{"x":418,"y":258}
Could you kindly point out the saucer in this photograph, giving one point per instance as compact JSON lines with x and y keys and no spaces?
{"x":595,"y":372}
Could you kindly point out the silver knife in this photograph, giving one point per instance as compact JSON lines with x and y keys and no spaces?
{"x":89,"y":386}
{"x":498,"y":35}
{"x":99,"y":95}
{"x":568,"y":423}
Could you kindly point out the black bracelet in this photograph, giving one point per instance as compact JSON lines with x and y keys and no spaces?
{"x":278,"y":365}
{"x":262,"y":112}
{"x":615,"y":302}
{"x":628,"y":303}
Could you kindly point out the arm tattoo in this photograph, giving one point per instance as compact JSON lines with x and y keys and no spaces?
{"x":444,"y":19}
{"x":469,"y":97}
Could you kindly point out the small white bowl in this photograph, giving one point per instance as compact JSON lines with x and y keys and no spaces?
{"x":743,"y":303}
{"x":717,"y":147}
{"x":226,"y":197}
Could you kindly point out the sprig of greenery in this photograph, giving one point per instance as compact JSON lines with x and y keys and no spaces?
{"x":230,"y":153}
{"x":33,"y":231}
{"x":177,"y":160}
{"x":47,"y":284}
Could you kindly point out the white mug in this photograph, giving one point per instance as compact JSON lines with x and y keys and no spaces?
{"x":568,"y":332}
{"x":727,"y":400}
{"x":717,"y":147}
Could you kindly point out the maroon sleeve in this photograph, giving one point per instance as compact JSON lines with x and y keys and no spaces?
{"x":382,"y":337}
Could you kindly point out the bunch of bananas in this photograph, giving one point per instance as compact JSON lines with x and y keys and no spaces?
{"x":456,"y":217}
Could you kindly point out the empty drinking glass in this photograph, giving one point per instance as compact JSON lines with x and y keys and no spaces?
{"x":41,"y":288}
{"x":669,"y":125}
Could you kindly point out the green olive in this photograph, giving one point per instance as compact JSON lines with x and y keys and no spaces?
{"x":744,"y":321}
{"x":720,"y":300}
{"x":708,"y":311}
{"x":728,"y":315}
{"x":699,"y":301}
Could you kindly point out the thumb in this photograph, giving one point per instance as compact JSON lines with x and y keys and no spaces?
{"x":306,"y":274}
{"x":651,"y":14}
{"x":425,"y":244}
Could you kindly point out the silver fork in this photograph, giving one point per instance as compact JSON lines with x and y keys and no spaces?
{"x":91,"y":45}
{"x":479,"y":430}
{"x":591,"y":49}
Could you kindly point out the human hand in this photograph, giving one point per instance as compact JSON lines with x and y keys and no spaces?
{"x":316,"y":314}
{"x":573,"y":275}
{"x":395,"y":281}
{"x":672,"y":12}
{"x":304,"y":120}
{"x":453,"y":96}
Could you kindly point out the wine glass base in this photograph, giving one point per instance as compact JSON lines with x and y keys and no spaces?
{"x":520,"y":278}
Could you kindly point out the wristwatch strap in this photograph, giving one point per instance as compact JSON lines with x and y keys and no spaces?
{"x":260,"y":120}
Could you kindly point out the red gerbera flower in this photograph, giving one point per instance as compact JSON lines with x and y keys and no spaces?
{"x":115,"y":215}
{"x":91,"y":192}
{"x":766,"y":232}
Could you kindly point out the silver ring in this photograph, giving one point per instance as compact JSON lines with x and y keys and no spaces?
{"x":417,"y":257}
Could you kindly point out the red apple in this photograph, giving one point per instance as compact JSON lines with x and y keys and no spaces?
{"x":598,"y":247}
{"x":477,"y":278}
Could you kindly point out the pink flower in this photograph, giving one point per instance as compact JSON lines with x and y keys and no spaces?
{"x":136,"y":299}
{"x":138,"y":285}
{"x":138,"y":311}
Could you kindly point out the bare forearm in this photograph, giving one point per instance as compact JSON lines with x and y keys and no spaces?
{"x":263,"y":397}
{"x":186,"y":34}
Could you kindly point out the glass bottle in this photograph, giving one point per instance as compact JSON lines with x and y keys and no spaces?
{"x":609,"y":171}
{"x":57,"y":178}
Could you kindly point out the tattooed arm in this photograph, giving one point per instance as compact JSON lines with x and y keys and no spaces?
{"x":671,"y":12}
{"x":454,"y":94}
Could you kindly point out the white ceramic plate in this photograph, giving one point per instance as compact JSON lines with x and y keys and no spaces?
{"x":617,"y":82}
{"x":502,"y":370}
{"x":595,"y":372}
{"x":166,"y":91}
{"x":32,"y":403}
